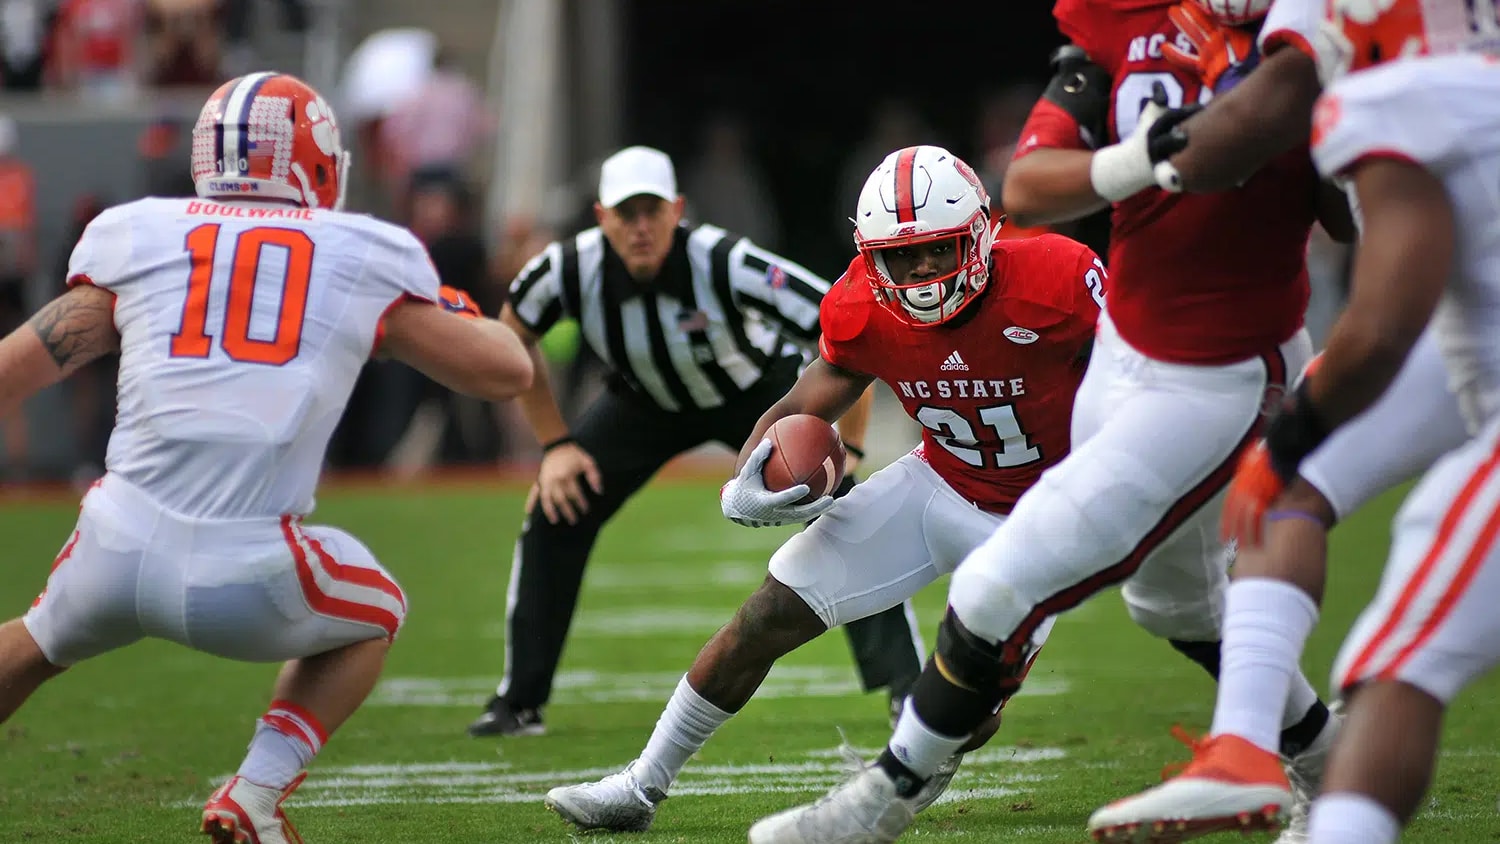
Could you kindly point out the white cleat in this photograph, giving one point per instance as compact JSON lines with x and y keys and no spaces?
{"x":617,"y":803}
{"x":1305,"y":773}
{"x":863,"y":810}
{"x":241,"y":812}
{"x":936,"y":784}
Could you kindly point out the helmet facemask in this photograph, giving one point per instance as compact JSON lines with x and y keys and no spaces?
{"x":934,"y":300}
{"x":918,"y":197}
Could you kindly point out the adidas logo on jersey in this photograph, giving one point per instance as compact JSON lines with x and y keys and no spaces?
{"x":954,"y":362}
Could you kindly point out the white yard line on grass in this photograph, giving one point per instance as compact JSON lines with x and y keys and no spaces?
{"x":690,"y":577}
{"x":482,"y":783}
{"x":574,"y":687}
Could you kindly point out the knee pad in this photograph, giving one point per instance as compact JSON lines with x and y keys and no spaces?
{"x":969,"y":661}
{"x":990,"y":608}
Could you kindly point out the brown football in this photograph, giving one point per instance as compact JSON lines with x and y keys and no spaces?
{"x":805,"y":450}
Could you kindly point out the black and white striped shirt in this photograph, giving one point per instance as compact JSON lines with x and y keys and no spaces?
{"x":703,"y":331}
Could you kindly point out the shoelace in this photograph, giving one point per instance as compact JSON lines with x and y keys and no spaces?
{"x":1198,"y":745}
{"x":851,"y":764}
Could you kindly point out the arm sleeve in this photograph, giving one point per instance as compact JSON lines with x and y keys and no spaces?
{"x":1389,"y":112}
{"x":777,"y":289}
{"x":839,"y":331}
{"x":536,"y":293}
{"x":1292,"y":23}
{"x":1049,"y":126}
{"x":1090,"y":284}
{"x":103,"y":252}
{"x":401,"y":263}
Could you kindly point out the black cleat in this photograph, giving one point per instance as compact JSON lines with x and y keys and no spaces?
{"x":499,"y":719}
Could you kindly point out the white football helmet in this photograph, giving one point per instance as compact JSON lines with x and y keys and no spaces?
{"x":1236,"y":12}
{"x":918,"y":195}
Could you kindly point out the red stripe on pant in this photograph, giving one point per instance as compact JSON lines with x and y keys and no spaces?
{"x":324,"y":604}
{"x":62,"y":556}
{"x":1175,"y":516}
{"x":1473,"y":561}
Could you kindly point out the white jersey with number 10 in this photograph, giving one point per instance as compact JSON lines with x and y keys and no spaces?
{"x":244,"y":326}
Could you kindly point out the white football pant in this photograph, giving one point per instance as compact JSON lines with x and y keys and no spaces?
{"x":1433,"y":622}
{"x":260,"y":590}
{"x":893,"y":534}
{"x":1137,"y":499}
{"x":1399,"y":437}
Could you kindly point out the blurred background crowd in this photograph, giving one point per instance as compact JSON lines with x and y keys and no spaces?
{"x":480,"y":124}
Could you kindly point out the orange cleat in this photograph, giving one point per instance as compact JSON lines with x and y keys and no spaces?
{"x":1229,"y":785}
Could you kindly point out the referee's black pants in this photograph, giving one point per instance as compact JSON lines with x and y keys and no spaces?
{"x":629,"y":441}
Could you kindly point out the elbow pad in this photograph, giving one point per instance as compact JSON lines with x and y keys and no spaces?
{"x":1082,"y":89}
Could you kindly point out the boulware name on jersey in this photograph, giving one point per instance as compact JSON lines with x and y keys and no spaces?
{"x":250,"y":212}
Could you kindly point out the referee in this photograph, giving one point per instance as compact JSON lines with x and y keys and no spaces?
{"x":701,"y":331}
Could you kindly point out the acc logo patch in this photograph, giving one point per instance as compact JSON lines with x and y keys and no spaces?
{"x":1023,"y":336}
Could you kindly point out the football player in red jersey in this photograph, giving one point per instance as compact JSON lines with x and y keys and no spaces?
{"x":1271,"y":605}
{"x":985,"y":343}
{"x":1203,"y":323}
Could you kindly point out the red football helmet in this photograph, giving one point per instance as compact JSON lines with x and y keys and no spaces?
{"x":1357,"y":34}
{"x":1236,"y":12}
{"x":919,"y":195}
{"x":269,"y":135}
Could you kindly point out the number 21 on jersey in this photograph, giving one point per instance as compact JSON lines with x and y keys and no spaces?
{"x":956,"y":434}
{"x":193,"y":339}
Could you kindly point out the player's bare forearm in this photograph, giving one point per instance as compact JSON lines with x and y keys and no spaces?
{"x":855,"y":422}
{"x":1400,"y":271}
{"x":1049,"y":186}
{"x":476,"y":357}
{"x":1242,"y":130}
{"x":71,"y":331}
{"x":823,"y":390}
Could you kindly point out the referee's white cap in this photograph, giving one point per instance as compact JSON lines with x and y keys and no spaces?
{"x":634,"y":171}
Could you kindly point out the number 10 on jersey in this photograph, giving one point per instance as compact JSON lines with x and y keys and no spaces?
{"x":192,"y":340}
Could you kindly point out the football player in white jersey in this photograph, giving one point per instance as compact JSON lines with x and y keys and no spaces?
{"x":1423,"y":178}
{"x":1272,"y":602}
{"x":242,"y":318}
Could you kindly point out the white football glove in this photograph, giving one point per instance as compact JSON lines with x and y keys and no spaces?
{"x":746,"y":501}
{"x":1140,"y":161}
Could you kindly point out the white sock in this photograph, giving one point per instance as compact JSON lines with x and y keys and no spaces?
{"x":918,"y":747}
{"x":1346,"y":817}
{"x":286,"y":739}
{"x":684,"y":726}
{"x":1266,"y":624}
{"x":275,"y":758}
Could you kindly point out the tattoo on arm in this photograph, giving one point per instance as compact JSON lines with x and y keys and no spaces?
{"x":77,"y":327}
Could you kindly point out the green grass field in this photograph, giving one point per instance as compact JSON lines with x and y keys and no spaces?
{"x":127,"y":747}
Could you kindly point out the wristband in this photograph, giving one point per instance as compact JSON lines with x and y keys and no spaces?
{"x":1294,"y":432}
{"x":1296,"y":515}
{"x":855,"y":450}
{"x":562,"y":440}
{"x":1121,"y":170}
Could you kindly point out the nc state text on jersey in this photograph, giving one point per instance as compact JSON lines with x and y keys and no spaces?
{"x":963,"y":388}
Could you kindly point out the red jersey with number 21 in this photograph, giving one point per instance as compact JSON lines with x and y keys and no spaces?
{"x":1196,"y":278}
{"x":993,"y":388}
